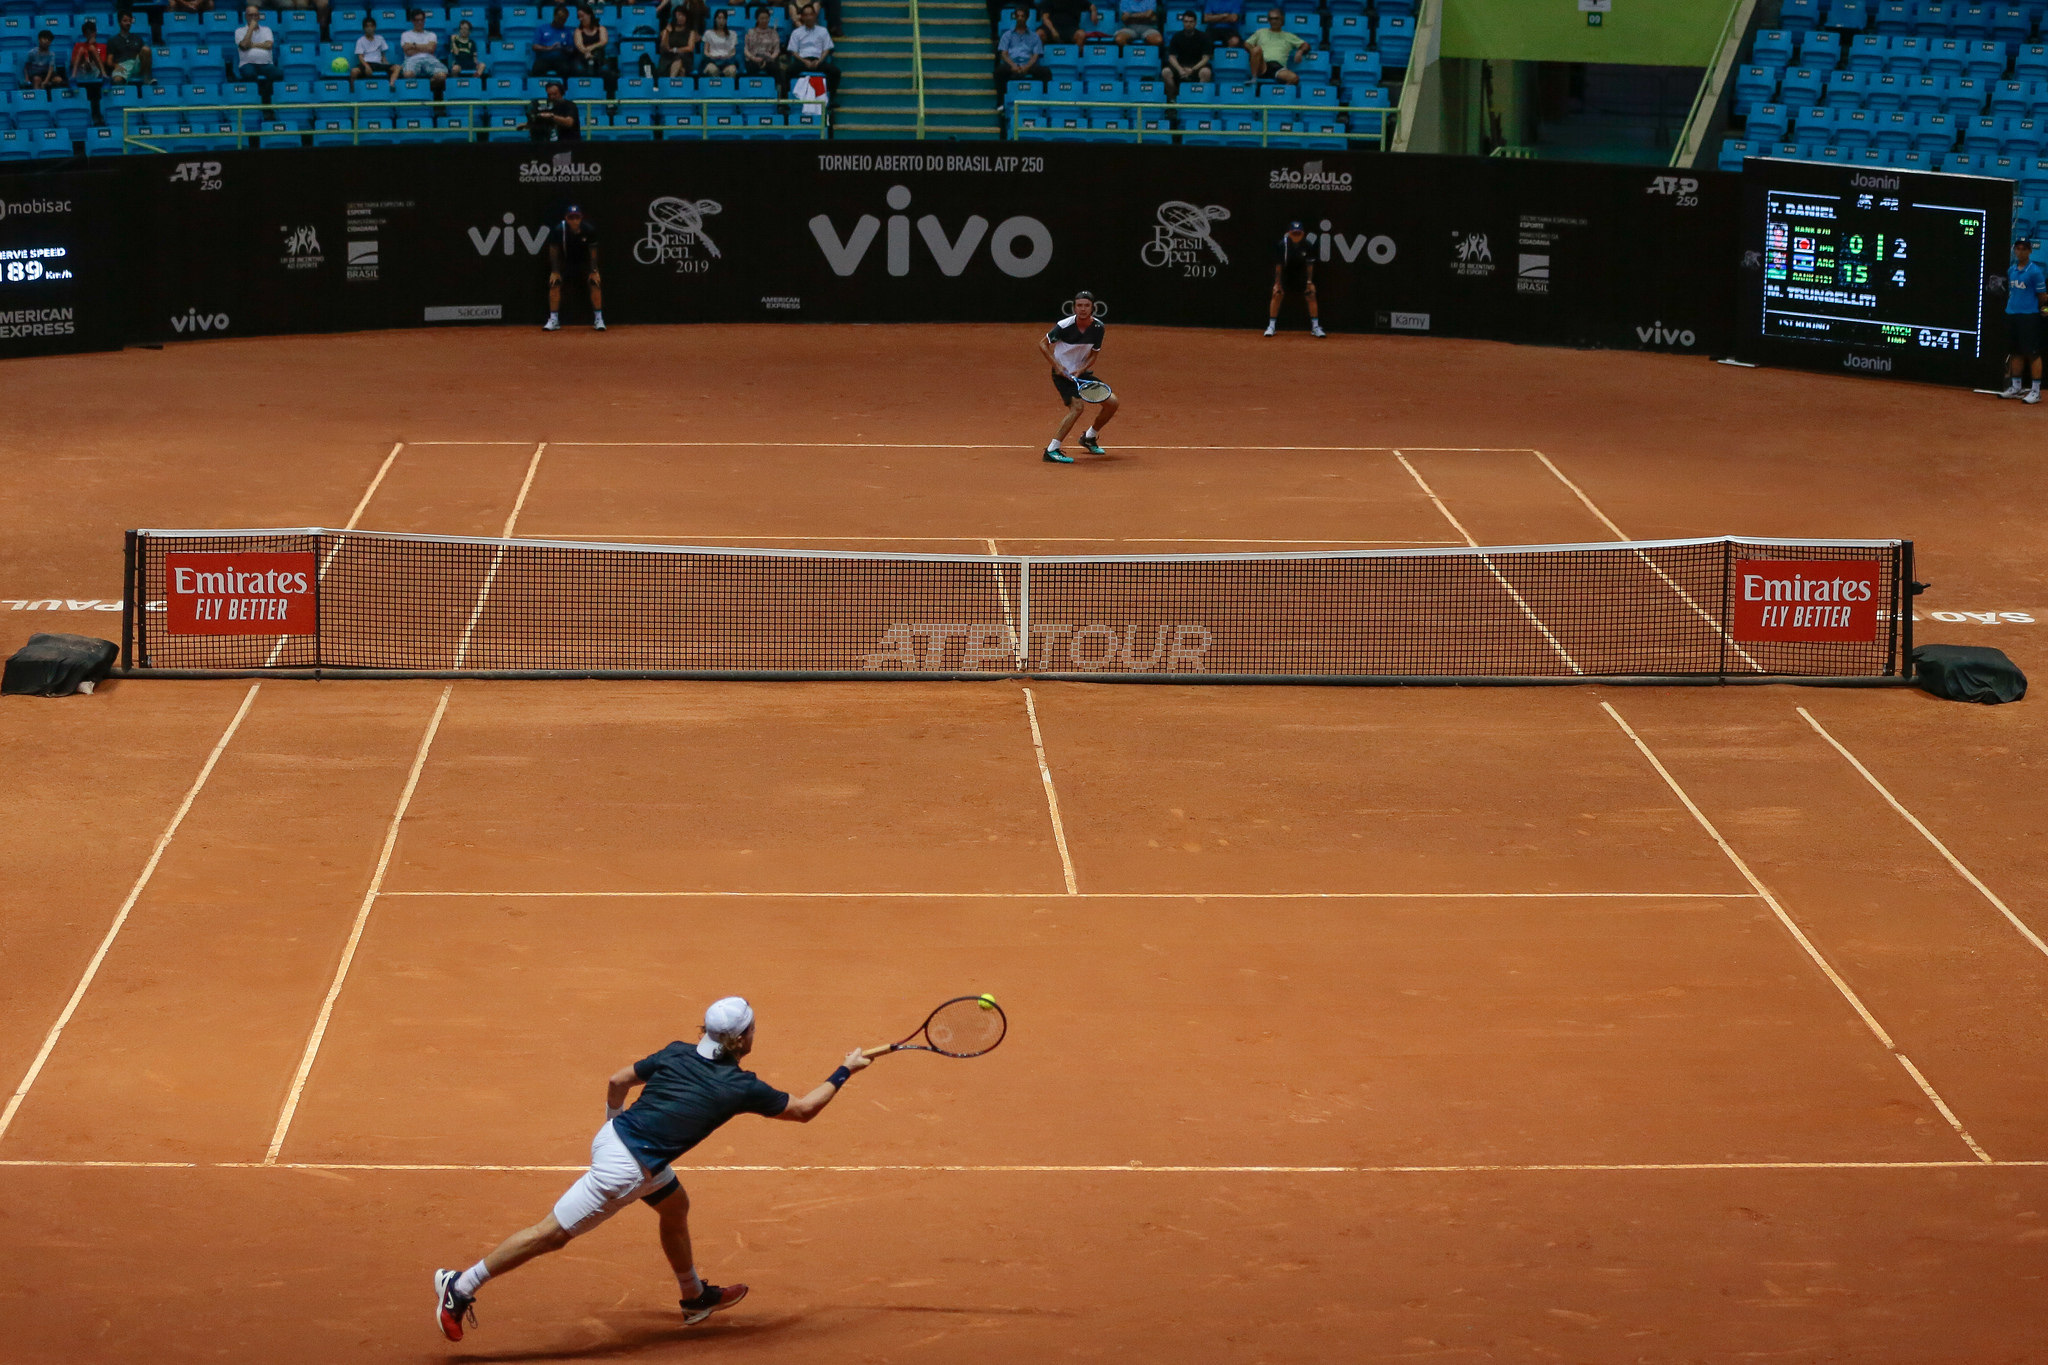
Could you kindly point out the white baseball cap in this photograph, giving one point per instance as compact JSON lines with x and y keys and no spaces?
{"x":730,"y":1015}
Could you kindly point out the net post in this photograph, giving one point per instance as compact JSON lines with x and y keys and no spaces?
{"x":1727,"y":585}
{"x":1023,"y":613}
{"x":128,"y":590}
{"x":1902,"y":612}
{"x":320,"y":599}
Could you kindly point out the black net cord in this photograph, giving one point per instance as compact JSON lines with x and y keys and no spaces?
{"x":128,"y":600}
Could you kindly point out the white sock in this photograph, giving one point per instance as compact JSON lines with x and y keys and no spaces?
{"x":1053,"y":444}
{"x":1088,"y":435}
{"x":690,"y":1282}
{"x":554,"y":317}
{"x":2037,"y":386}
{"x":598,"y":315}
{"x":472,"y":1279}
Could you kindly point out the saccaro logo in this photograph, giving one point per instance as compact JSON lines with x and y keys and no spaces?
{"x":675,"y":235}
{"x":301,"y":248}
{"x":1532,"y":274}
{"x":25,"y":207}
{"x":509,"y":239}
{"x":1182,"y":234}
{"x":845,"y":255}
{"x":1471,"y":254}
{"x":1657,"y":334}
{"x":1311,"y":176}
{"x":1875,"y":363}
{"x":196,"y":321}
{"x":1379,"y":250}
{"x":561,"y":169}
{"x":364,"y":257}
{"x":205,"y":174}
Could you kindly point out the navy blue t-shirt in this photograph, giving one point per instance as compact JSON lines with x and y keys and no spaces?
{"x":685,"y":1100}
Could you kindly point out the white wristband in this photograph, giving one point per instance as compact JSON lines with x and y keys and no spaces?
{"x":611,"y":1113}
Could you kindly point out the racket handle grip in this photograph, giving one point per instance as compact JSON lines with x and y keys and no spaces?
{"x":877,"y":1051}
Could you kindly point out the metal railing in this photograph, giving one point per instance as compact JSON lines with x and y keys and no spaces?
{"x":917,"y":65}
{"x":1263,"y":111}
{"x":1706,"y":99}
{"x":243,"y":116}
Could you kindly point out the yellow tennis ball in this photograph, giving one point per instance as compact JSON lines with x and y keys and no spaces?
{"x":988,"y":1002}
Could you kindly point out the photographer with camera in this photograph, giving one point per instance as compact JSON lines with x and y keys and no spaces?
{"x":553,"y":117}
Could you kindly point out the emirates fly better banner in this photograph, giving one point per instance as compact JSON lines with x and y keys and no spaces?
{"x":1802,"y":600}
{"x":266,"y":593}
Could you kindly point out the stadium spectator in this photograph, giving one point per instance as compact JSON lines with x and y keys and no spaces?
{"x":1273,"y":49}
{"x":89,"y":62}
{"x":830,"y":12}
{"x":373,"y":54}
{"x":463,"y":58}
{"x":1017,"y":54}
{"x":810,"y":49}
{"x":1137,"y":21}
{"x":1225,"y":21}
{"x":593,"y":44}
{"x":1096,"y":25}
{"x":1059,"y":21}
{"x":677,"y":48}
{"x":128,"y":52}
{"x":42,"y":69}
{"x":187,"y":6}
{"x":253,"y":44}
{"x":554,"y":117}
{"x":1187,"y":55}
{"x":721,"y":47}
{"x":762,"y":50}
{"x":554,"y":52}
{"x":418,"y":43}
{"x":320,"y":8}
{"x":2026,"y":297}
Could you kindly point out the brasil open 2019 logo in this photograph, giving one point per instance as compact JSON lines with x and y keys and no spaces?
{"x":1806,"y":601}
{"x":264,"y":593}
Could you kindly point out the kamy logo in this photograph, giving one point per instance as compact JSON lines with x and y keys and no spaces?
{"x":196,"y":321}
{"x":1182,"y":232}
{"x":675,"y":229}
{"x":510,"y":237}
{"x":1656,"y":334}
{"x":1379,"y":250}
{"x":845,"y":256}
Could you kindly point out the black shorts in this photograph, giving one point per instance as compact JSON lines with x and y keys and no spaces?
{"x":1294,"y":279}
{"x":2023,"y":334}
{"x":1069,"y":389}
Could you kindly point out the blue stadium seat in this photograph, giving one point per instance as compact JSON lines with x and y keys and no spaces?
{"x":1850,"y":16}
{"x":1317,"y":66}
{"x":1868,"y":52}
{"x":1885,"y":91}
{"x":2033,"y":181}
{"x":1099,"y":61}
{"x":1896,"y":130}
{"x":2023,"y":138}
{"x":1855,"y":129}
{"x":1915,"y":161}
{"x":1972,"y":20}
{"x":1894,"y":17}
{"x":2030,"y":63}
{"x":2012,"y":24}
{"x":1845,"y":89}
{"x":1946,"y":56}
{"x":1767,"y":123}
{"x":1815,"y":124}
{"x":516,"y":24}
{"x":1062,"y":59}
{"x":1803,"y":85}
{"x":1732,"y":153}
{"x":2001,"y":167}
{"x":1349,"y":33}
{"x":1394,"y":36}
{"x":1931,"y":18}
{"x":1959,"y":163}
{"x":1361,"y":68}
{"x":72,"y":112}
{"x":1981,"y":135}
{"x":104,"y":142}
{"x":1306,"y":22}
{"x":1908,"y":56}
{"x":31,"y":111}
{"x":1235,"y":64}
{"x":2012,"y":98}
{"x":1818,"y":49}
{"x":49,"y":144}
{"x":1936,"y":134}
{"x":1986,"y":60}
{"x":1964,"y":95}
{"x":1800,"y":15}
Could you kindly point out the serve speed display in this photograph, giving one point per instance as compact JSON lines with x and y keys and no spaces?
{"x":1873,"y":271}
{"x":35,"y":265}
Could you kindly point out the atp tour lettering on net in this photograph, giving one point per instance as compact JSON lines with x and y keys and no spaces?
{"x":949,"y":646}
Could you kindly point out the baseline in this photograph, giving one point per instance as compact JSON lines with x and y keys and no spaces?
{"x":1133,"y":895}
{"x":1126,"y":1168}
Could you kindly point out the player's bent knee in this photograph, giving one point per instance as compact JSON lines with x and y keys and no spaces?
{"x":669,"y":1200}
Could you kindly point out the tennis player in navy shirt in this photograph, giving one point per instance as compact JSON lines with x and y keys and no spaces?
{"x":687,"y":1091}
{"x":2024,"y":303}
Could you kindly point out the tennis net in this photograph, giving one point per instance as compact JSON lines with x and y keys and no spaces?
{"x":381,"y":604}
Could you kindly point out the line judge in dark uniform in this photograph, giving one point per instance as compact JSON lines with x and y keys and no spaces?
{"x":1294,"y":272}
{"x":572,"y":247}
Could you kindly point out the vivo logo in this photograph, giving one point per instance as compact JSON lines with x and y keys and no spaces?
{"x":1379,"y":250}
{"x":1877,"y":364}
{"x":1656,"y":334}
{"x":196,"y":321}
{"x":509,"y":237}
{"x":845,"y":255}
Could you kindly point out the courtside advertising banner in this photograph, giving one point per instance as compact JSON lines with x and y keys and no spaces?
{"x":1806,"y":601}
{"x":258,"y":593}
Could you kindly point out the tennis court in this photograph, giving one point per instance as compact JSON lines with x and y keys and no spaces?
{"x":1591,"y":1024}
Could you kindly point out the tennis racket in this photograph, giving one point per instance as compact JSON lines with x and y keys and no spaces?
{"x":965,"y":1026}
{"x":1093,"y":391}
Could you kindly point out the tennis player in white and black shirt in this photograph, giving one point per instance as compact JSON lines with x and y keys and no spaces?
{"x":1071,"y":347}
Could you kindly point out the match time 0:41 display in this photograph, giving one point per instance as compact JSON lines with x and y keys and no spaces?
{"x":1806,"y":600}
{"x":266,"y":593}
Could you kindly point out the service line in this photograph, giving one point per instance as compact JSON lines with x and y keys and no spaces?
{"x":1133,"y":895}
{"x":1126,"y":1168}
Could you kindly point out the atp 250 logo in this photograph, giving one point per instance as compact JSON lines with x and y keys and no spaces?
{"x":205,"y":174}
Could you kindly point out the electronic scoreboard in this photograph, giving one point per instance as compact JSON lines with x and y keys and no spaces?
{"x":1867,"y":270}
{"x":55,"y":292}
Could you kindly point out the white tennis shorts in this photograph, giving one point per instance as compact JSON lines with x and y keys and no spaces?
{"x":614,"y":1180}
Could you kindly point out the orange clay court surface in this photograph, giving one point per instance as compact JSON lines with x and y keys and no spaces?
{"x":1557,"y":1024}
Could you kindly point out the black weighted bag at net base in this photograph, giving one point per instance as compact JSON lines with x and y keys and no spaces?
{"x":1968,"y":673}
{"x":58,"y":666}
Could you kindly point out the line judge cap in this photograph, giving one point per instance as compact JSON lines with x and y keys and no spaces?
{"x":730,"y":1015}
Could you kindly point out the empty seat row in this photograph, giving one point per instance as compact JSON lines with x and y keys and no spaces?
{"x":1914,"y":16}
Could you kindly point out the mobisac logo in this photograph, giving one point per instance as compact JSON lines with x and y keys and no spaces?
{"x":196,"y":321}
{"x":1183,"y":236}
{"x":562,"y":169}
{"x":845,"y":254}
{"x":24,"y":207}
{"x":1311,"y":176}
{"x":675,"y":235}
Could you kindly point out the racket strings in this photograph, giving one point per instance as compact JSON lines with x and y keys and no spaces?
{"x":965,"y":1028}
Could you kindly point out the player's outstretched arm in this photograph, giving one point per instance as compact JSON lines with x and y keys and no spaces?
{"x":804,"y":1108}
{"x":617,"y":1087}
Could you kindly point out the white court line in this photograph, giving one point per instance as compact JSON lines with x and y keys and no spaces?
{"x":1052,"y":798}
{"x":754,"y":538}
{"x":1020,"y":648}
{"x":1798,"y":935}
{"x":476,"y":612}
{"x":1459,"y":527}
{"x":1127,"y":1168}
{"x":944,"y":445}
{"x":1129,"y":895}
{"x":163,"y":842}
{"x":355,"y":937}
{"x":1926,"y":833}
{"x":362,"y":504}
{"x":1669,"y":582}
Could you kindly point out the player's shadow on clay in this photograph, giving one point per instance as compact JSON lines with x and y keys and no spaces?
{"x":632,"y":1341}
